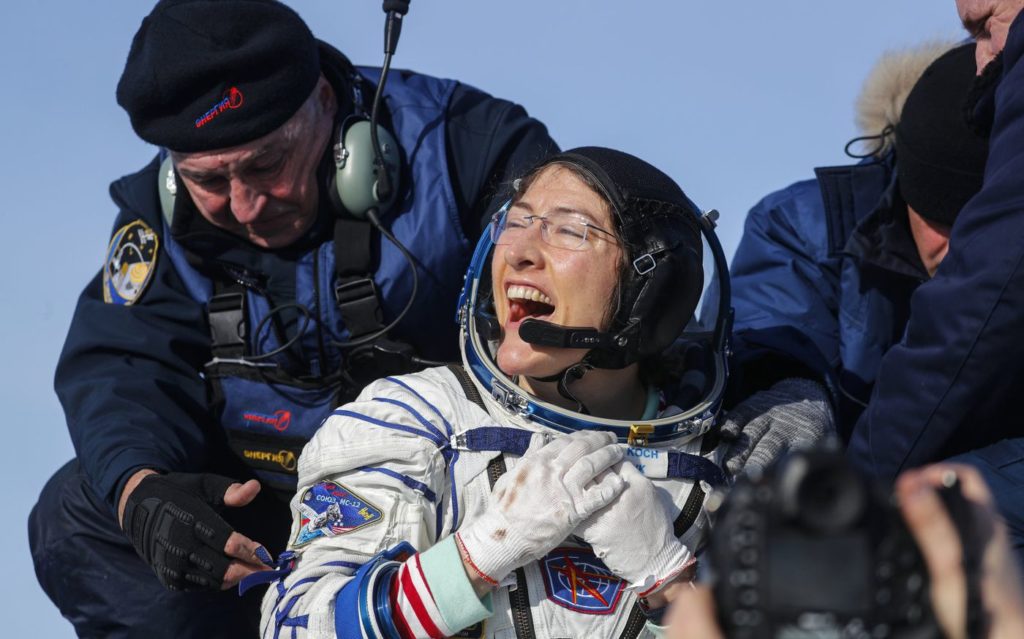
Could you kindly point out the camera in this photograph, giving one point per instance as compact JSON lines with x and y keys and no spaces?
{"x":811,"y":549}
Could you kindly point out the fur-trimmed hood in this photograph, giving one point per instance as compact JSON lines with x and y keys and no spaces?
{"x":887,"y":86}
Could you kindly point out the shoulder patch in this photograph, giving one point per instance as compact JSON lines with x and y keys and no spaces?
{"x":328,"y":510}
{"x":576,"y":579}
{"x":130,"y":263}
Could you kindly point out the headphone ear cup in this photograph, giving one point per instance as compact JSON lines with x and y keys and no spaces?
{"x":355,"y":179}
{"x":167,"y":187}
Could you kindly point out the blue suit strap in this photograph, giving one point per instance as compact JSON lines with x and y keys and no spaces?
{"x":502,"y":439}
{"x":515,"y":441}
{"x":281,"y":569}
{"x":362,"y":609}
{"x":695,"y":467}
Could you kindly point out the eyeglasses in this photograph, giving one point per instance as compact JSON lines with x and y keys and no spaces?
{"x":561,"y":229}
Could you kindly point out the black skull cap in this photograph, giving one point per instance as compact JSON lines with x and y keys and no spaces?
{"x":211,"y":74}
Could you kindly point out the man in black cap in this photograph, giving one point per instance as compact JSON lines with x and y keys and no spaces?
{"x":274,"y":258}
{"x":823,"y":276}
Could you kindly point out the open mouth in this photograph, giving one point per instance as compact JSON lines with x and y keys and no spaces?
{"x":526,"y":301}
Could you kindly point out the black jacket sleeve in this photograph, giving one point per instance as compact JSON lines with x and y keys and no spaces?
{"x":128,"y":377}
{"x":490,"y":142}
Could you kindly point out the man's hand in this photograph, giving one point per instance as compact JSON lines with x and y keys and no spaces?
{"x":173,"y":522}
{"x":633,"y":535}
{"x":1002,"y":595}
{"x":535,"y":506}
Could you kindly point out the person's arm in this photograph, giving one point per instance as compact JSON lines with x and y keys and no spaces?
{"x":785,"y":293}
{"x":489,"y":142}
{"x":952,"y":383}
{"x":136,"y":409}
{"x":128,"y":376}
{"x":369,"y":514}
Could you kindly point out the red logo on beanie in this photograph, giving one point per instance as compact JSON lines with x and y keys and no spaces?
{"x":232,"y":100}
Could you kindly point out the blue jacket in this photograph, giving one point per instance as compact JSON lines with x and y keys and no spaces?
{"x":133,"y":378}
{"x":953,"y":383}
{"x":822,"y":279}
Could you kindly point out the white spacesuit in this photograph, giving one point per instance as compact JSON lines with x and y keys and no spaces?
{"x":399,"y":490}
{"x":397,"y":464}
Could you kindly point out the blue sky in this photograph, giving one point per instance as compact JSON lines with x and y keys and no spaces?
{"x":733,"y":99}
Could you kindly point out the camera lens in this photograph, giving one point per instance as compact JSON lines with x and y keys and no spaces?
{"x":822,"y":497}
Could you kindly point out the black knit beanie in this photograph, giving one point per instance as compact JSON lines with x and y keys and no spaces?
{"x":210,"y":74}
{"x":940,"y":161}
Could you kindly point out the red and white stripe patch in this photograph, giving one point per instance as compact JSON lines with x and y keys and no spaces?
{"x":416,"y":614}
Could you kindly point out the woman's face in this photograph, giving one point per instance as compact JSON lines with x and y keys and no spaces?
{"x":532,"y":278}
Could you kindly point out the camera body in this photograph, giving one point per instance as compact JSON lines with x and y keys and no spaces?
{"x":811,"y":549}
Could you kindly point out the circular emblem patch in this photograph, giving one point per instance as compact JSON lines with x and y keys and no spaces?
{"x":131,"y":260}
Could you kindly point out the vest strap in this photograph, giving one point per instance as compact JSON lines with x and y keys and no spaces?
{"x":355,"y":292}
{"x":227,"y":316}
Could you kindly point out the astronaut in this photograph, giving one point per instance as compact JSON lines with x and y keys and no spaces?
{"x":553,"y":485}
{"x":331,"y":515}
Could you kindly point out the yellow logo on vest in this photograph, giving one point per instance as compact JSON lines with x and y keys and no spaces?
{"x":283,"y":458}
{"x":131,"y":261}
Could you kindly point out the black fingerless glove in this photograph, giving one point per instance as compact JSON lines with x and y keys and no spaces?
{"x":173,"y":522}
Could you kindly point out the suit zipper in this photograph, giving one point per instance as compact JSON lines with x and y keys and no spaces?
{"x":634,"y":624}
{"x":518,"y":599}
{"x":690,"y":510}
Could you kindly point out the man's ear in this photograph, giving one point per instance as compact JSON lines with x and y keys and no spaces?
{"x":328,"y":102}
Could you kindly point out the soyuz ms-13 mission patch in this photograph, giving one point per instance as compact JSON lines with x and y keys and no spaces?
{"x":329,"y":509}
{"x":130,"y":263}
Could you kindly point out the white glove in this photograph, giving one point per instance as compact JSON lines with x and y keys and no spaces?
{"x":535,"y":506}
{"x":633,"y":535}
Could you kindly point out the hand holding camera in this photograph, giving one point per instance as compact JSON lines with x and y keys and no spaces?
{"x":804,"y":585}
{"x":956,"y":536}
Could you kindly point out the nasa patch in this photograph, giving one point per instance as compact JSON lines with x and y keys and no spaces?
{"x":130,"y":263}
{"x":328,"y":510}
{"x":575,"y":578}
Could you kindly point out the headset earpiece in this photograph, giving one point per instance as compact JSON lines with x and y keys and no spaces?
{"x":167,"y":187}
{"x":355,"y":179}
